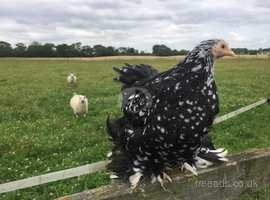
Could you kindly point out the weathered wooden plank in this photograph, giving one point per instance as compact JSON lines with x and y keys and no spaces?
{"x":247,"y":171}
{"x":54,"y":176}
{"x":239,"y":111}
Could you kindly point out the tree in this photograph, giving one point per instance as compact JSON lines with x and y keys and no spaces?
{"x":240,"y":50}
{"x":131,"y":51}
{"x":252,"y":52}
{"x":64,"y":50}
{"x":122,"y":51}
{"x":182,"y":52}
{"x":5,"y":49}
{"x":174,"y":52}
{"x":75,"y":49}
{"x":100,"y":50}
{"x":110,"y":51}
{"x":19,"y":50}
{"x":87,"y":51}
{"x":162,"y":50}
{"x":34,"y":49}
{"x":48,"y":50}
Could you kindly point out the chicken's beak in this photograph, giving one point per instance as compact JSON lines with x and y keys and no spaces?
{"x":230,"y":53}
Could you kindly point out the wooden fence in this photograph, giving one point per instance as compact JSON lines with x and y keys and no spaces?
{"x":245,"y":172}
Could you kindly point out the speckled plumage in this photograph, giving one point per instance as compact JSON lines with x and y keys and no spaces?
{"x":172,"y":129}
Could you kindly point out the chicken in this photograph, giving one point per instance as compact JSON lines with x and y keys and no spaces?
{"x":167,"y":117}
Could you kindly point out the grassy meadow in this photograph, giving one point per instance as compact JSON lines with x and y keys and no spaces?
{"x":39,"y":134}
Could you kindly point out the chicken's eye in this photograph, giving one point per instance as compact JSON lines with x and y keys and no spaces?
{"x":223,"y":46}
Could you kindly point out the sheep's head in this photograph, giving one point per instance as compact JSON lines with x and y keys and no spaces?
{"x":82,"y":99}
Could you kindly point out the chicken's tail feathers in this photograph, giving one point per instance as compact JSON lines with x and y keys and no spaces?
{"x":120,"y":165}
{"x":130,"y":74}
{"x":209,"y":155}
{"x":111,"y":129}
{"x":115,"y":130}
{"x":214,"y":156}
{"x":120,"y":162}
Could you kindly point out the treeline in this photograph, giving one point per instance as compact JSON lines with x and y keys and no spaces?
{"x":245,"y":51}
{"x":36,"y":49}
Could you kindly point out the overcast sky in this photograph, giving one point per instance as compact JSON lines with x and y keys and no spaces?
{"x":137,"y":23}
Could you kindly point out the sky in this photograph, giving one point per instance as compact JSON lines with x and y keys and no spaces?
{"x":180,"y":24}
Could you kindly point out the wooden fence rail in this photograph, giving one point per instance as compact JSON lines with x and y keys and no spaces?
{"x":240,"y":110}
{"x":53,"y":176}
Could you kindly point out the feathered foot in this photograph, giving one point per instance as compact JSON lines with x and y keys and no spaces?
{"x":113,"y":176}
{"x":207,"y":157}
{"x":192,"y":168}
{"x":161,"y":178}
{"x":202,"y":163}
{"x":134,"y":180}
{"x":221,"y":153}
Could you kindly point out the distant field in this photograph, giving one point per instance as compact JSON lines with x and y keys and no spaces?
{"x":38,"y":133}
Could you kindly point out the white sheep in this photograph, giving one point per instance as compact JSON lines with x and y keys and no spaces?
{"x":79,"y":105}
{"x":71,"y":79}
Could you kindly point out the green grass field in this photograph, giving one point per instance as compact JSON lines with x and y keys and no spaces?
{"x":39,"y":134}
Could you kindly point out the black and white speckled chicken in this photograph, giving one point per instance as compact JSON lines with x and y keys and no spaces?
{"x":167,"y":117}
